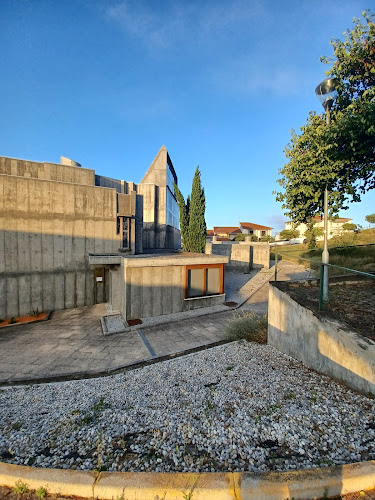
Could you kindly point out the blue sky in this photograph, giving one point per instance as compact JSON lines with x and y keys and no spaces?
{"x":219,"y":83}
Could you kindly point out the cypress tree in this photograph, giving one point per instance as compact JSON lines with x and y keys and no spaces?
{"x":197,"y":223}
{"x":184,"y":217}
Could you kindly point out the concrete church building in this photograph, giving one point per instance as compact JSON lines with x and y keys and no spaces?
{"x":52,"y":217}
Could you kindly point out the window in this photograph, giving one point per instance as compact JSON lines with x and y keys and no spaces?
{"x":204,"y":280}
{"x":123,"y":229}
{"x":263,"y":233}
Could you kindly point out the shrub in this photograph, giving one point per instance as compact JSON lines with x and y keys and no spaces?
{"x":249,"y":326}
{"x":343,"y":240}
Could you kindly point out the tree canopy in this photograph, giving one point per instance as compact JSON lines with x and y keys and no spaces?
{"x":340,"y":156}
{"x":289,"y":234}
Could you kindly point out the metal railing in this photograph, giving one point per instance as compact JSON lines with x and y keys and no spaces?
{"x":320,"y":266}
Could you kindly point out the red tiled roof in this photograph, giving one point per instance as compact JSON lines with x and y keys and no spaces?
{"x":318,"y":218}
{"x":209,"y":232}
{"x":228,"y":230}
{"x":250,"y":225}
{"x":222,"y":239}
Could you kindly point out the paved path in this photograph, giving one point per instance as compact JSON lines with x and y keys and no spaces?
{"x":71,"y":344}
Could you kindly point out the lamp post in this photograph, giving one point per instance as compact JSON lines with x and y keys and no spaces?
{"x":326,"y":93}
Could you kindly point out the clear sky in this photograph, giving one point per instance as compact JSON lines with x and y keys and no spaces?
{"x":219,"y":83}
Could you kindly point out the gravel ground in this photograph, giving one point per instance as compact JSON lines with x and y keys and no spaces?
{"x":237,"y":407}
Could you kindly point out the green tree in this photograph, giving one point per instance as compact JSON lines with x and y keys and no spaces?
{"x":268,"y":238}
{"x":289,"y":234}
{"x":312,"y":233}
{"x":197,"y":223}
{"x":240,"y":237}
{"x":184,"y":217}
{"x":370,"y":218}
{"x":342,"y":156}
{"x":349,"y":226}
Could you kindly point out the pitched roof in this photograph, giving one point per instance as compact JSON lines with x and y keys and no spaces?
{"x":209,"y":232}
{"x":227,"y":229}
{"x":250,"y":225}
{"x":318,"y":218}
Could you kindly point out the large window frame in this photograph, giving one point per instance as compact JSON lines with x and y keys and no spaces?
{"x":204,"y":284}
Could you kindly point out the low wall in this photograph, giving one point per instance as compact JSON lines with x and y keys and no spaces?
{"x":324,"y":345}
{"x":243,"y":256}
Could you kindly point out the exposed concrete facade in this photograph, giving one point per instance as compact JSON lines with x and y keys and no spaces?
{"x":322,"y":344}
{"x":53,"y":216}
{"x":144,"y":286}
{"x":243,"y":256}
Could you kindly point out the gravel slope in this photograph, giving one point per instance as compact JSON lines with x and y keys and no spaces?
{"x":240,"y":406}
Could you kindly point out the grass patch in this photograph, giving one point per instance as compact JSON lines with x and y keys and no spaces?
{"x":249,"y":326}
{"x":359,"y":258}
{"x":20,"y":487}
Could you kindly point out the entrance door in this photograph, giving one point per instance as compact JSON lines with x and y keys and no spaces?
{"x":99,"y":285}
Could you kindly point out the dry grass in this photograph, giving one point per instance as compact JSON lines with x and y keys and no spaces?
{"x":249,"y":326}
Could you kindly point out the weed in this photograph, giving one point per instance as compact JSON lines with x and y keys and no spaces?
{"x":87,"y":420}
{"x":16,"y":426}
{"x":290,"y":395}
{"x":12,"y":320}
{"x":20,"y":487}
{"x":325,"y":494}
{"x":76,"y":412}
{"x":100,"y":405}
{"x":249,"y":326}
{"x":229,"y":368}
{"x":210,"y":405}
{"x":34,"y":312}
{"x":41,"y":492}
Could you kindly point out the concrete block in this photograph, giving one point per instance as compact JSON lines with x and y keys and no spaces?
{"x":58,"y":248}
{"x":80,"y":288}
{"x":3,"y":291}
{"x":47,"y":245}
{"x":24,"y":295}
{"x":89,"y":287}
{"x":59,"y":286}
{"x":12,"y":297}
{"x":36,"y":247}
{"x":158,"y":288}
{"x":147,"y":306}
{"x":70,"y":290}
{"x":48,"y":294}
{"x":167,"y":291}
{"x":36,"y":291}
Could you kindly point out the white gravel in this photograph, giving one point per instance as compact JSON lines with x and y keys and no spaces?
{"x":240,"y":406}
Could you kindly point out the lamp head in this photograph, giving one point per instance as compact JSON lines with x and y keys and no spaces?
{"x":326,"y":92}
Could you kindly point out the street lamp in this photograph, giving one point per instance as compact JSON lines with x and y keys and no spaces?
{"x":326,"y":93}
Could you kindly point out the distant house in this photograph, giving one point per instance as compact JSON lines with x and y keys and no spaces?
{"x":228,"y":233}
{"x":256,"y":229}
{"x":334,"y":226}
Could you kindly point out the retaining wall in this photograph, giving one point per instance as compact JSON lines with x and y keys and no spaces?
{"x":243,"y":256}
{"x":322,"y":344}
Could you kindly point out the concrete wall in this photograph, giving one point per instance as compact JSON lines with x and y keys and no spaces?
{"x":46,"y":171}
{"x":47,"y":230}
{"x":243,"y":256}
{"x":260,"y":254}
{"x":120,"y":186}
{"x":324,"y":345}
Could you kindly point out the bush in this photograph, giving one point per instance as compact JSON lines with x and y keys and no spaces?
{"x":343,"y":240}
{"x":268,"y":238}
{"x":249,"y":326}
